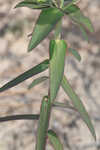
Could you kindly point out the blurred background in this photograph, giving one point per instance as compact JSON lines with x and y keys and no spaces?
{"x":15,"y":26}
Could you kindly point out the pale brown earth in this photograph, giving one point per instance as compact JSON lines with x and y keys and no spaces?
{"x":15,"y":25}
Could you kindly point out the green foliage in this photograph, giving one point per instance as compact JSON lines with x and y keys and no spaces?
{"x":43,"y":123}
{"x":77,"y":16}
{"x":52,"y":12}
{"x":37,"y":81}
{"x":44,"y":25}
{"x":55,"y":140}
{"x":79,"y":19}
{"x":26,"y":75}
{"x":78,"y":104}
{"x":32,"y":5}
{"x":83,"y":32}
{"x":57,"y":59}
{"x":75,"y":53}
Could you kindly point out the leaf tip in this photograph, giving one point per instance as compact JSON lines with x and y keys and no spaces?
{"x":93,"y":134}
{"x":16,"y":6}
{"x":30,"y":47}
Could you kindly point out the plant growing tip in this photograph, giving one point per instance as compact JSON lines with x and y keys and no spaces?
{"x":44,"y":26}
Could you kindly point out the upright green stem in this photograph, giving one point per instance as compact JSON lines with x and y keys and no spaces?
{"x":46,"y":104}
{"x":43,"y":124}
{"x":57,"y":34}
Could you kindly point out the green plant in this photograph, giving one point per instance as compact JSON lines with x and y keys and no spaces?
{"x":54,"y":10}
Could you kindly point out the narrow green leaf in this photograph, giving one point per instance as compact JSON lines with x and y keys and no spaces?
{"x":37,"y":81}
{"x":78,"y":105}
{"x":43,"y":123}
{"x":70,"y":9}
{"x":54,"y":140}
{"x":77,"y":16}
{"x":26,"y":75}
{"x":20,"y":117}
{"x":83,"y":33}
{"x":45,"y":23}
{"x":63,"y":105}
{"x":32,"y":5}
{"x":57,"y":52}
{"x":70,"y":2}
{"x":75,"y":53}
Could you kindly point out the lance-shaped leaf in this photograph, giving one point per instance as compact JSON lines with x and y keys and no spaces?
{"x":37,"y":81}
{"x":32,"y":5}
{"x":63,"y":105}
{"x":70,"y":2}
{"x":77,"y":16}
{"x":78,"y":105}
{"x":19,"y":117}
{"x":75,"y":53}
{"x":43,"y":123}
{"x":57,"y":52}
{"x":54,"y":140}
{"x":45,"y":23}
{"x":84,"y":33}
{"x":26,"y":75}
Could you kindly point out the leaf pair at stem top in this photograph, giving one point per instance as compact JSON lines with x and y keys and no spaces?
{"x":49,"y":17}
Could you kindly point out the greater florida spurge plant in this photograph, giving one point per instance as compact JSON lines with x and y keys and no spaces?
{"x":52,"y":12}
